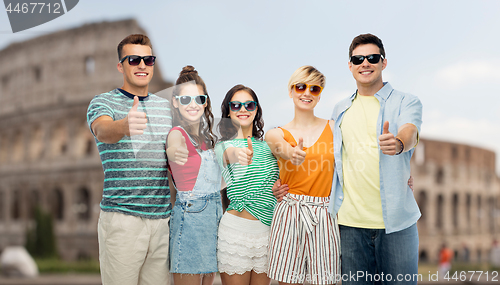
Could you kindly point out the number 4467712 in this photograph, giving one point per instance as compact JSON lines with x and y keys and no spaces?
{"x":472,"y":275}
{"x":34,"y":8}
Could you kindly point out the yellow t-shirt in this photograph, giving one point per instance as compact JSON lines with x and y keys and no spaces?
{"x":362,"y":205}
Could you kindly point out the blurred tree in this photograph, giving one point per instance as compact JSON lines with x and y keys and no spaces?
{"x":40,"y":239}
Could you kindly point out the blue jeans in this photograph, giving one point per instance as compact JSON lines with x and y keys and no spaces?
{"x":370,"y":256}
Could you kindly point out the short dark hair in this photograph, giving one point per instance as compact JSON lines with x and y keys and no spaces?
{"x":366,"y":39}
{"x":135,"y":39}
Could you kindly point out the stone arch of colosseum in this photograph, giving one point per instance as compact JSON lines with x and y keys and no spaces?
{"x":458,"y":192}
{"x":48,"y":156}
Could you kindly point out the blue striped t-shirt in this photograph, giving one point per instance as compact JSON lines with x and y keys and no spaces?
{"x":135,"y":168}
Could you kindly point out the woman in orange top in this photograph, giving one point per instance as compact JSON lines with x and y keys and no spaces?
{"x":304,"y":243}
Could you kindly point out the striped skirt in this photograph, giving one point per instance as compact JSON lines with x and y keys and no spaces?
{"x":304,"y":244}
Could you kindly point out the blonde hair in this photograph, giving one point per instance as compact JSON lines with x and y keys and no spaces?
{"x":307,"y":74}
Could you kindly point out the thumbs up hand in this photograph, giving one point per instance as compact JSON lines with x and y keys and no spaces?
{"x":181,"y":152}
{"x":136,"y":120}
{"x":245,"y":154}
{"x":298,"y":155}
{"x":387,"y":141}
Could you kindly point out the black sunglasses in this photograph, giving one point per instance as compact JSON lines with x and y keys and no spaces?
{"x":235,"y":106}
{"x":134,"y":60}
{"x":186,"y":100}
{"x":372,"y":58}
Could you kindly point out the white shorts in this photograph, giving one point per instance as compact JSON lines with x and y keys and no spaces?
{"x":242,"y":245}
{"x":305,"y":241}
{"x":133,"y":250}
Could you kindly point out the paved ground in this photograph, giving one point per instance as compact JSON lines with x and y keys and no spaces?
{"x":96,"y":280}
{"x":61,"y":280}
{"x":54,"y":280}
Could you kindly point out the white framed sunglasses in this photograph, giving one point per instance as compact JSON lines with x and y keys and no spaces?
{"x":186,"y":100}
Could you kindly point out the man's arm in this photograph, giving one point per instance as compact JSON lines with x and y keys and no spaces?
{"x":409,"y":122}
{"x":408,"y":134}
{"x":405,"y":140}
{"x":280,"y":190}
{"x":108,"y":131}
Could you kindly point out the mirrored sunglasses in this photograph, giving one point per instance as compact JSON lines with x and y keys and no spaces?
{"x":235,"y":106}
{"x":315,"y":90}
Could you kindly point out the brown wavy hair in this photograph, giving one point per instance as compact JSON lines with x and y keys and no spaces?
{"x":205,"y":134}
{"x":226,"y":128}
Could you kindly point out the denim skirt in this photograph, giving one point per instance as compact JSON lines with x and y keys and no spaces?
{"x":193,"y":235}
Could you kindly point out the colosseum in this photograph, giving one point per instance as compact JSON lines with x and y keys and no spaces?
{"x":48,"y":156}
{"x":458,"y":192}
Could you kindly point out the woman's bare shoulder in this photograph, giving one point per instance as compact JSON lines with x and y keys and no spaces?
{"x":274,"y":133}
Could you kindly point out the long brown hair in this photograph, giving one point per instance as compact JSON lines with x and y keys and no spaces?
{"x":205,"y":134}
{"x":226,"y":128}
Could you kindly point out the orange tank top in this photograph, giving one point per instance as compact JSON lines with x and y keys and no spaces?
{"x":314,"y":176}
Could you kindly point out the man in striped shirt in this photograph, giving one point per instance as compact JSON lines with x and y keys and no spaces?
{"x":130,"y":127}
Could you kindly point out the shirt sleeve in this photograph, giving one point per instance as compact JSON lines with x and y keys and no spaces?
{"x":98,"y":107}
{"x":335,"y":112}
{"x":410,"y":112}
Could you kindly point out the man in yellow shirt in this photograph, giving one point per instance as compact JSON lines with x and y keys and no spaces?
{"x":377,"y":212}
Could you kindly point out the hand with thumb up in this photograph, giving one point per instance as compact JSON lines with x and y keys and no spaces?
{"x":387,"y":142}
{"x":181,"y":152}
{"x":136,"y":120}
{"x":245,"y":154}
{"x":298,"y":155}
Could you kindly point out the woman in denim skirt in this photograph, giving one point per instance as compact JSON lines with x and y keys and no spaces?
{"x":197,"y":180}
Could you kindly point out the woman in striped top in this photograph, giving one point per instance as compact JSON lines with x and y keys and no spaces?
{"x":249,"y":170}
{"x":196,"y":175}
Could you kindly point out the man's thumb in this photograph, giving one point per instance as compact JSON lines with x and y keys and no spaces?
{"x":386,"y":128}
{"x":136,"y":103}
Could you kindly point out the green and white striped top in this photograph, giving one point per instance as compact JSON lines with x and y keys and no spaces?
{"x":249,"y":187}
{"x":135,"y":168}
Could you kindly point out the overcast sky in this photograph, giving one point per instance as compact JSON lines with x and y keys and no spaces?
{"x":445,"y":52}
